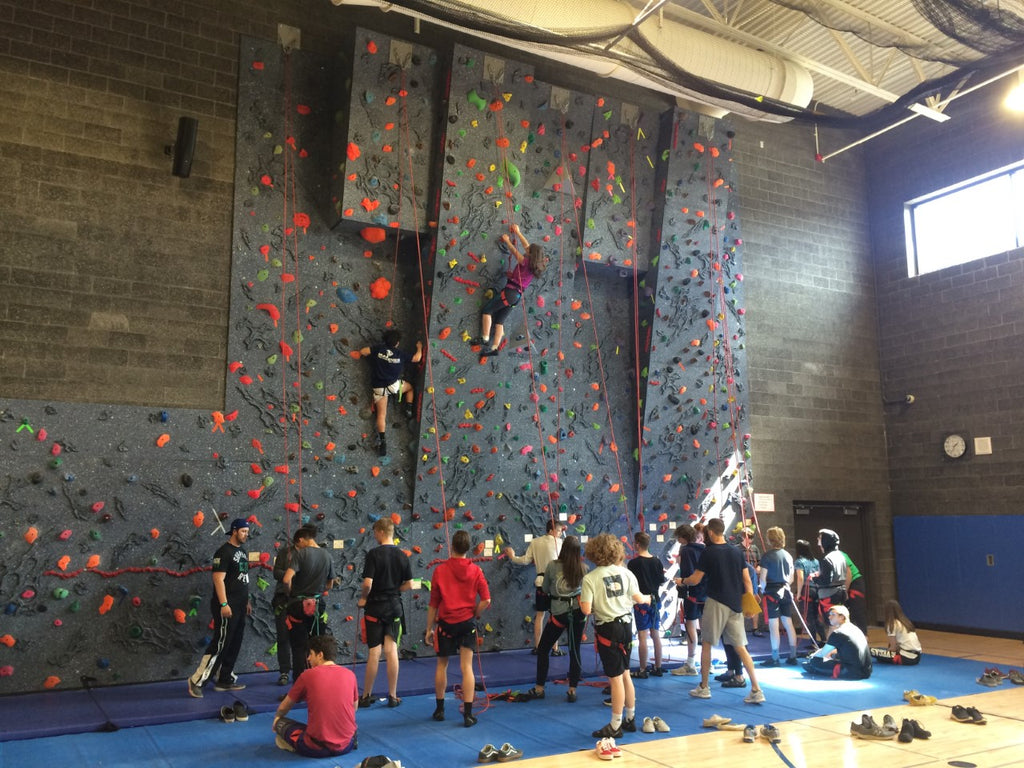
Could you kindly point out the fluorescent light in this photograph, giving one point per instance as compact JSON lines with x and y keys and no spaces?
{"x":934,"y":114}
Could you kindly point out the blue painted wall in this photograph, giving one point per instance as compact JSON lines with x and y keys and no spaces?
{"x":942,"y":574}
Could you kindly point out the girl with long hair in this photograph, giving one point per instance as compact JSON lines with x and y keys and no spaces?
{"x":563,"y":579}
{"x":904,"y":646}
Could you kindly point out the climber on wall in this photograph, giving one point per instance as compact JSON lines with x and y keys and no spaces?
{"x":518,"y":279}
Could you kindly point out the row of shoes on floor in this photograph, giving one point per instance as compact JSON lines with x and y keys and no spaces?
{"x":993,"y":676}
{"x":649,"y":725}
{"x":768,"y":732}
{"x":867,"y":728}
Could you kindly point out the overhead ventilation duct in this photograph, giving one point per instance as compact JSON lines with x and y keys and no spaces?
{"x":578,"y":34}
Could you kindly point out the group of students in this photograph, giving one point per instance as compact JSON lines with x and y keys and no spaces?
{"x":716,"y":588}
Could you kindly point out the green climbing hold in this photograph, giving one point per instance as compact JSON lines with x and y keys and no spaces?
{"x":512,"y":173}
{"x":474,"y":98}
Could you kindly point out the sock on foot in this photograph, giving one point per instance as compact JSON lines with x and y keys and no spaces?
{"x":616,"y":721}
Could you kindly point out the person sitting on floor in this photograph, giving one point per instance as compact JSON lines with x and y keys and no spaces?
{"x":904,"y":645}
{"x":845,"y":655}
{"x":331,"y":693}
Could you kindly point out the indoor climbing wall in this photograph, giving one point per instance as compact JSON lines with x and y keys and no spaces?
{"x":696,"y":423}
{"x":384,"y":136}
{"x":541,"y":430}
{"x":111,"y":513}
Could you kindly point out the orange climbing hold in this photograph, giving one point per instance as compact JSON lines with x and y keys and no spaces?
{"x":353,"y":151}
{"x":51,"y":682}
{"x":31,"y":534}
{"x":380,"y":288}
{"x":272,"y":311}
{"x":7,"y":640}
{"x":198,"y":518}
{"x":93,"y":561}
{"x":106,"y":605}
{"x":179,"y":616}
{"x":163,"y":440}
{"x":64,"y":562}
{"x":373,"y":234}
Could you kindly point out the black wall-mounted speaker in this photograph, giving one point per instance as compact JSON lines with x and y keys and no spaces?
{"x":185,"y":146}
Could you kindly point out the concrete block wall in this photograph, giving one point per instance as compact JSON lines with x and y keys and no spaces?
{"x":952,"y":338}
{"x":816,"y":404}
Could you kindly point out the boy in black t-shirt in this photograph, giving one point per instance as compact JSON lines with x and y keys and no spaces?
{"x":650,"y":575}
{"x":386,"y":575}
{"x":230,"y":605}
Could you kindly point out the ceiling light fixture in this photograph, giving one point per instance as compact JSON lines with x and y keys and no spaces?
{"x":1015,"y":98}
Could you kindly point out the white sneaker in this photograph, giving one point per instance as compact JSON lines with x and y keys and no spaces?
{"x":703,"y":692}
{"x":648,"y":726}
{"x":754,"y":697}
{"x":687,"y":670}
{"x":660,"y":725}
{"x":716,"y":720}
{"x":606,"y":749}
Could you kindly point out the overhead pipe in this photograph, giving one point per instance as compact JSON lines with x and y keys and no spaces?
{"x":739,"y":68}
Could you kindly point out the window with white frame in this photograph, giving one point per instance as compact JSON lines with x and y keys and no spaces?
{"x":977,"y":218}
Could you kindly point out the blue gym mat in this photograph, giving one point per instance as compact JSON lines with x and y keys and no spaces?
{"x":173,"y":730}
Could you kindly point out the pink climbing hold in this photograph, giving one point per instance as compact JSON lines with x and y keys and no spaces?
{"x":525,"y":450}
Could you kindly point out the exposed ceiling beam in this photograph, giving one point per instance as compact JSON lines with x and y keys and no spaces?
{"x":710,"y":25}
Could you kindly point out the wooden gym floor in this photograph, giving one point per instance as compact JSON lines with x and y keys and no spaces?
{"x":824,"y":742}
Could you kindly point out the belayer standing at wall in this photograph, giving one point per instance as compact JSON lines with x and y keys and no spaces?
{"x":230,"y":605}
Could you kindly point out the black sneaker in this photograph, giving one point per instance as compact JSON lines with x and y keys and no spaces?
{"x":608,"y":732}
{"x":657,"y":672}
{"x":629,"y":725}
{"x":468,"y":720}
{"x":640,"y":674}
{"x":409,"y":410}
{"x":919,"y":732}
{"x":727,"y":675}
{"x":960,"y":714}
{"x":478,"y":341}
{"x":906,"y":732}
{"x":489,"y":353}
{"x":366,"y":701}
{"x":382,"y":448}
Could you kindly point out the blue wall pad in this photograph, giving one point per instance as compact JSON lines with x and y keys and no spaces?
{"x":943,"y":572}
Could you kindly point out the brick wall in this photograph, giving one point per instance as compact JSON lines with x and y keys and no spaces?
{"x":952,"y":338}
{"x":115,"y":272}
{"x":816,"y":405}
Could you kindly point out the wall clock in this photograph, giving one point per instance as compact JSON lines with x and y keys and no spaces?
{"x":954,"y":446}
